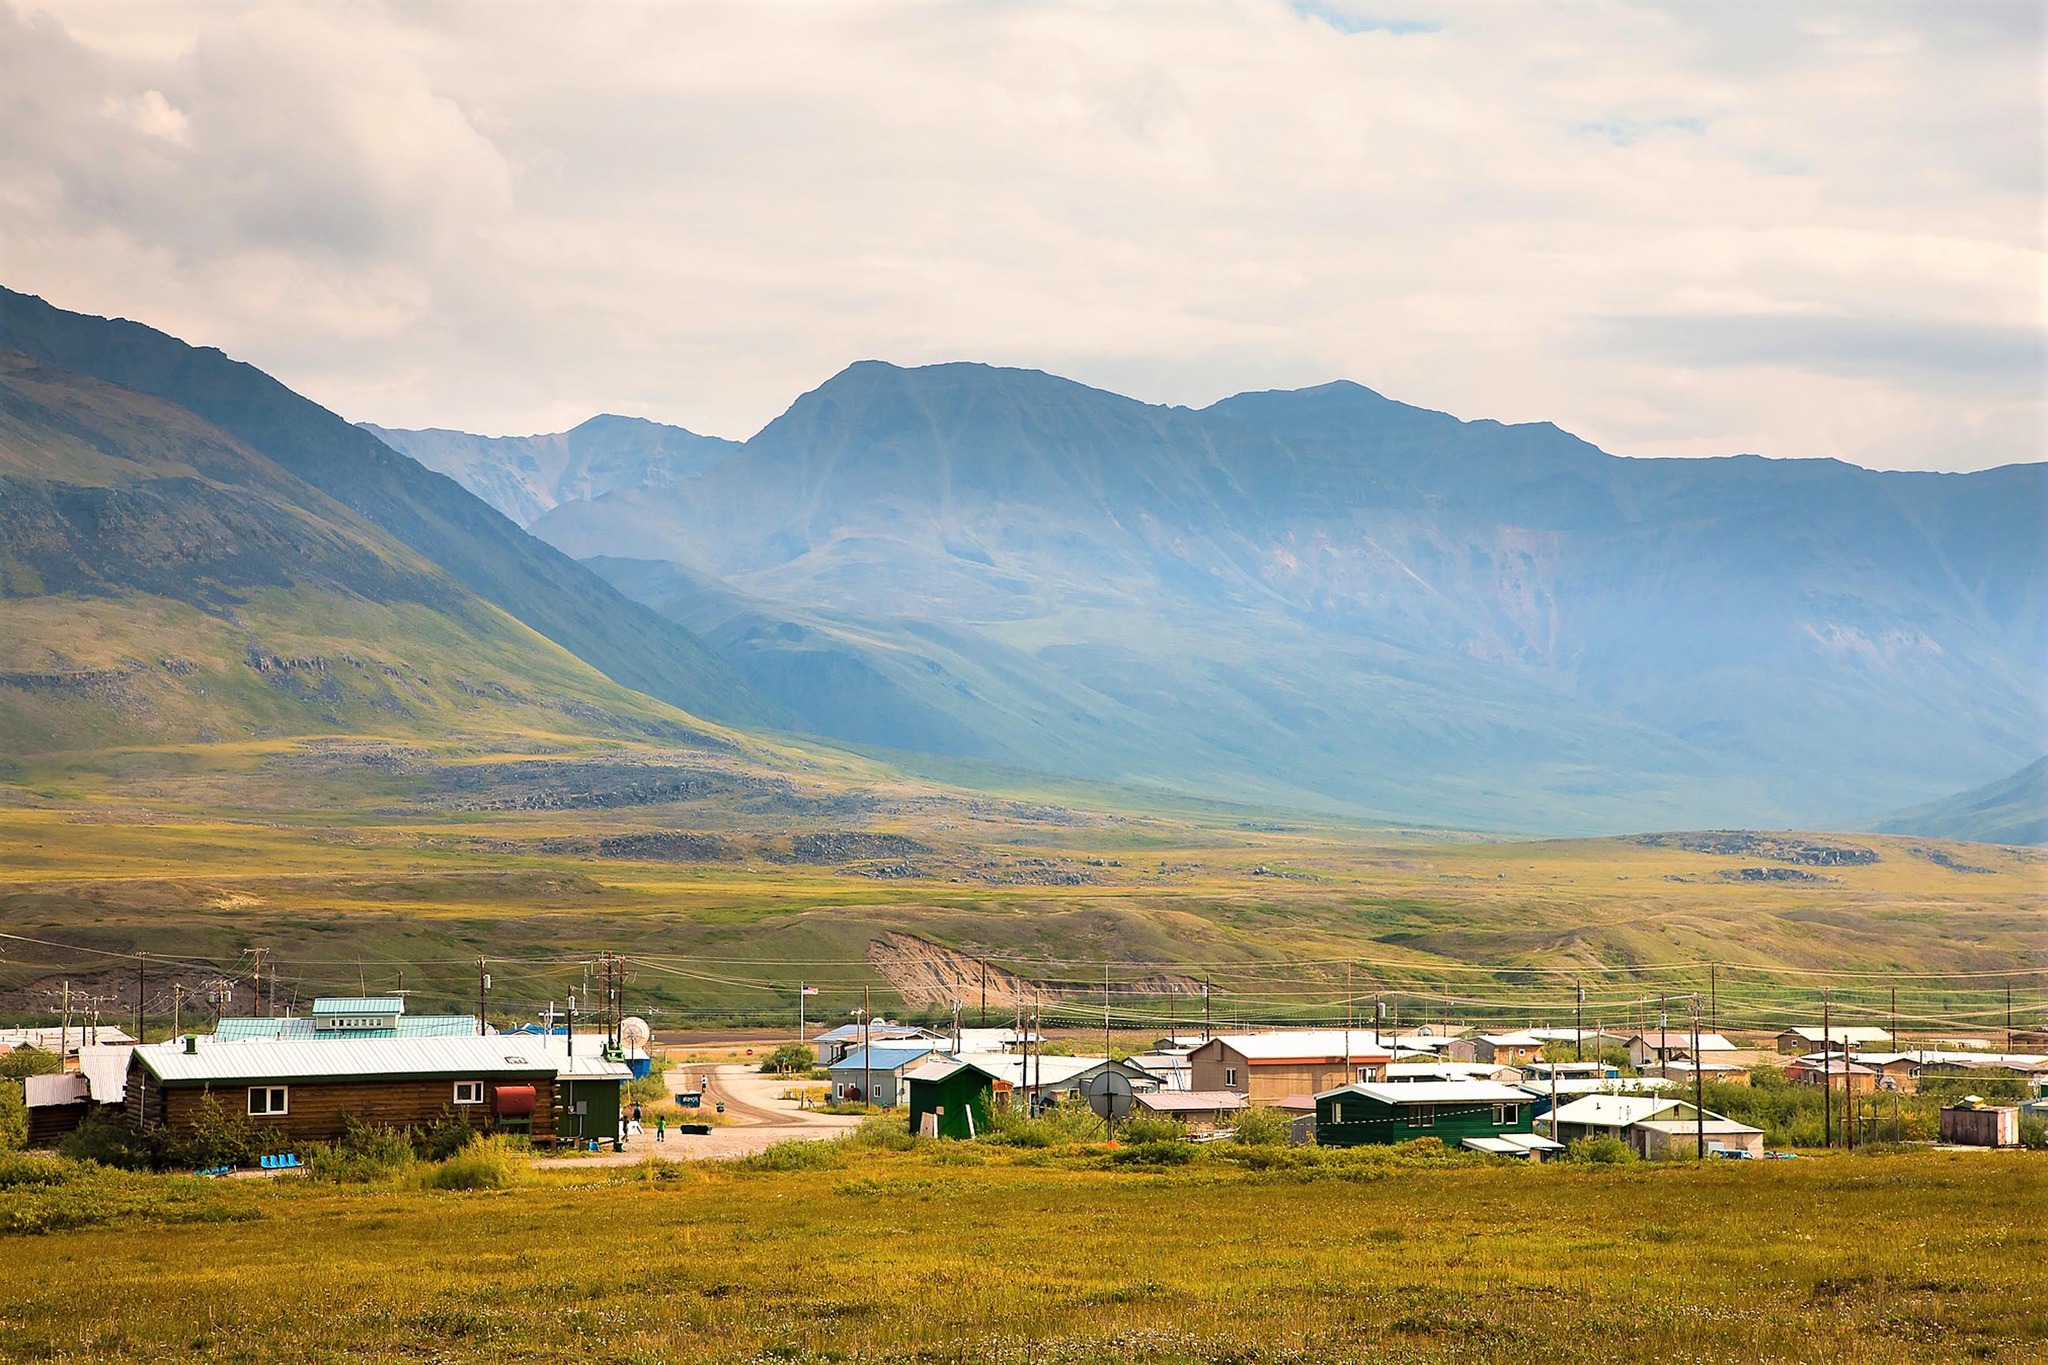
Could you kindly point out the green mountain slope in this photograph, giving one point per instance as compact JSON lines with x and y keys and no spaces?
{"x":160,"y":582}
{"x":476,"y":545}
{"x":2012,"y":810}
{"x":527,"y":476}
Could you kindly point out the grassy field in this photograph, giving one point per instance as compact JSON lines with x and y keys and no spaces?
{"x":351,"y":861}
{"x":974,"y":1254}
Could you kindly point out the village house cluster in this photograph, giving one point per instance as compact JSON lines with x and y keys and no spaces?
{"x":1488,"y":1092}
{"x":304,"y":1078}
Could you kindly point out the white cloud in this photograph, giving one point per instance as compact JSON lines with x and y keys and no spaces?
{"x":1674,"y":229}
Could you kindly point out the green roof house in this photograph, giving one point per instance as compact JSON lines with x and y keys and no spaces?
{"x":1482,"y":1115}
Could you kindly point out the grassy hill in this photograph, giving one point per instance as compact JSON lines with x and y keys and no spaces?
{"x":472,"y":543}
{"x":2013,"y":810}
{"x":161,"y":582}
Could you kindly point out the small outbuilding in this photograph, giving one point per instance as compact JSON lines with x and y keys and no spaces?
{"x":1981,"y":1125}
{"x":951,"y":1099}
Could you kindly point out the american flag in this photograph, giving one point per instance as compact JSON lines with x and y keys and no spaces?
{"x":808,"y":990}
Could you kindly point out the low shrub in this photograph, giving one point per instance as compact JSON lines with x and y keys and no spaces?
{"x":1150,"y":1128}
{"x":2033,"y":1133}
{"x":487,"y":1164}
{"x":884,"y":1132}
{"x":1602,"y":1151}
{"x":19,"y":1170}
{"x":364,"y":1153}
{"x":1157,"y":1152}
{"x":110,"y":1142}
{"x":446,"y":1136}
{"x":796,"y":1154}
{"x":1259,"y":1127}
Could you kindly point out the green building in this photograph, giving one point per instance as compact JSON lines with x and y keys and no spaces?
{"x":1483,"y":1115}
{"x":589,"y":1088}
{"x":951,"y":1099}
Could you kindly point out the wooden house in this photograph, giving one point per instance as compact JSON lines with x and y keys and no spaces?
{"x":1270,"y":1067}
{"x":307,"y":1091}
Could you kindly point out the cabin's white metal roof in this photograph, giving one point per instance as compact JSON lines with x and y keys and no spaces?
{"x":1304,"y":1044}
{"x":1435,"y":1092}
{"x":348,"y":1059}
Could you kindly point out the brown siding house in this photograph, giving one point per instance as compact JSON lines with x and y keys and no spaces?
{"x":1270,"y":1067}
{"x":308,"y":1091}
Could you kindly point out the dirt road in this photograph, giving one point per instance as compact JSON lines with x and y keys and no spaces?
{"x":760,"y":1119}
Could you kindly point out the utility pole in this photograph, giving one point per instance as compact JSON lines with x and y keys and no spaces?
{"x":1714,"y":996}
{"x":1827,"y":1077}
{"x":984,"y":992}
{"x":1106,"y":1048}
{"x":2008,"y":1018}
{"x":142,"y":992}
{"x":867,"y":1051}
{"x":1350,"y":1073}
{"x":177,"y":1008}
{"x":1579,"y":1026}
{"x":483,"y":988}
{"x":64,"y":1026}
{"x":1205,"y":1009}
{"x":1698,"y":1102}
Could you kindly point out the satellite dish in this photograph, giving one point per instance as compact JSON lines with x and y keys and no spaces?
{"x":633,"y":1031}
{"x":1109,"y":1094}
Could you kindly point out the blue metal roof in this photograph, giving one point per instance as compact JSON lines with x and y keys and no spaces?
{"x":344,"y":1004}
{"x":300,"y":1028}
{"x":883,"y":1059}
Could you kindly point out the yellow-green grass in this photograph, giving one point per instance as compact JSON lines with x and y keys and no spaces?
{"x":925,"y":1257}
{"x":347,"y":873}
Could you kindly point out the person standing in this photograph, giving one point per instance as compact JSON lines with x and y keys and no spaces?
{"x":661,"y":1127}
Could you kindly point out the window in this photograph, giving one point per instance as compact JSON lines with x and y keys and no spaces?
{"x":1230,"y":1075}
{"x":1336,"y":1111}
{"x":469,"y":1092}
{"x":1425,"y":1116}
{"x":1365,"y":1074}
{"x":269,"y":1099}
{"x":1506,"y":1115}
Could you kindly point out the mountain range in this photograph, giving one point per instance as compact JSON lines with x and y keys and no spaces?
{"x":1327,"y":597}
{"x":1322,"y":599}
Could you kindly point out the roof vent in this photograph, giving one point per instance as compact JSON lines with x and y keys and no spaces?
{"x":192,"y":1043}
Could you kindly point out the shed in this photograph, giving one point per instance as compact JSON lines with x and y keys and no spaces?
{"x":1201,"y":1111}
{"x":590,"y":1088}
{"x":951,"y":1099}
{"x":1981,"y":1125}
{"x":1357,"y":1115}
{"x":1654,"y":1126}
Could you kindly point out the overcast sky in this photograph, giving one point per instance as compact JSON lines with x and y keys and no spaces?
{"x":1690,"y":229}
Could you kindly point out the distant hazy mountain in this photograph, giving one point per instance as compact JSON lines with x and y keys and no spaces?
{"x":160,"y":581}
{"x":2012,"y":810}
{"x":1332,"y":595}
{"x":434,"y":516}
{"x":526,"y":476}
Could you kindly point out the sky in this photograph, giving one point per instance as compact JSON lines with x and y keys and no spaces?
{"x":1674,"y":229}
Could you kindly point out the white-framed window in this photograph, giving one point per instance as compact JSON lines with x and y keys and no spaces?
{"x":1336,"y":1111}
{"x":269,"y":1099}
{"x":1506,"y":1115}
{"x":1229,"y":1075}
{"x":1364,"y":1074}
{"x":1425,"y":1116}
{"x":469,"y":1092}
